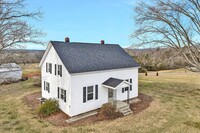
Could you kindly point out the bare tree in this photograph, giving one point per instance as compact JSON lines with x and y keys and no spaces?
{"x":15,"y":31}
{"x":171,"y":23}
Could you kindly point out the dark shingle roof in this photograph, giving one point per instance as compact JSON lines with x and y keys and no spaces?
{"x":112,"y":82}
{"x":86,"y":57}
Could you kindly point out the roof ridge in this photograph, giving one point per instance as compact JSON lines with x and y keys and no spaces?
{"x":86,"y":58}
{"x":85,"y":43}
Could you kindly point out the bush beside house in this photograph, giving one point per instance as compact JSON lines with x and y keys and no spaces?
{"x":49,"y":107}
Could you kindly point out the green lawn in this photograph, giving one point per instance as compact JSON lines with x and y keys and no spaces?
{"x":175,"y":108}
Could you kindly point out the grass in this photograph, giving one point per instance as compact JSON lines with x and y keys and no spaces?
{"x":175,"y":108}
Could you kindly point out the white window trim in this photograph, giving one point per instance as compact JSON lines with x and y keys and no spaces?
{"x":48,"y":67}
{"x":92,"y":92}
{"x":59,"y":70}
{"x":47,"y":86}
{"x":60,"y":93}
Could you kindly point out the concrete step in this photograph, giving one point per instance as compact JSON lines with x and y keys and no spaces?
{"x":121,"y":104}
{"x":124,"y":111}
{"x":123,"y":108}
{"x":128,"y":113}
{"x":82,"y":116}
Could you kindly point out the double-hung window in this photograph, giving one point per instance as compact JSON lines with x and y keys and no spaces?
{"x":60,"y":70}
{"x":62,"y":94}
{"x":47,"y":86}
{"x":49,"y":68}
{"x":90,"y":93}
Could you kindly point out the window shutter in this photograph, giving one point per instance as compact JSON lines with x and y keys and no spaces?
{"x":49,"y":87}
{"x":60,"y":70}
{"x":55,"y":69}
{"x":50,"y":68}
{"x":122,"y":90}
{"x":58,"y":92}
{"x":96,"y":91}
{"x":84,"y":94}
{"x":65,"y":96}
{"x":44,"y":85}
{"x":46,"y":67}
{"x":131,"y":85}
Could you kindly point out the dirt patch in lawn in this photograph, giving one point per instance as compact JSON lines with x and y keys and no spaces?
{"x":30,"y":75}
{"x":59,"y":119}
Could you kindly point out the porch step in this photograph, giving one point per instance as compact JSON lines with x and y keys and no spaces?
{"x":123,"y":108}
{"x":82,"y":116}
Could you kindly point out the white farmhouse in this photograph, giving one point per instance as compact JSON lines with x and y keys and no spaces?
{"x":84,"y":76}
{"x":10,"y":72}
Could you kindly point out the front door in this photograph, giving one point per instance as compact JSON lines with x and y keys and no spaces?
{"x":110,"y":96}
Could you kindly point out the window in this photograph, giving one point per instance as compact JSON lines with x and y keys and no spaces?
{"x":127,"y":88}
{"x":60,"y":70}
{"x":88,"y":93}
{"x":47,"y":87}
{"x":62,"y":94}
{"x":48,"y":67}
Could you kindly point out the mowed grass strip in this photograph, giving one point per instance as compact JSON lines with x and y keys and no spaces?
{"x":175,"y":107}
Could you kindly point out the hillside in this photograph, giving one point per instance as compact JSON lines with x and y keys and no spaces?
{"x":151,"y":59}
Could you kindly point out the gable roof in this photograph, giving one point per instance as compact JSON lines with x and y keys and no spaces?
{"x":87,"y":57}
{"x":112,"y":82}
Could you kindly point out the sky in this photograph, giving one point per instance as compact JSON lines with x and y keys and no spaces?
{"x":85,"y":20}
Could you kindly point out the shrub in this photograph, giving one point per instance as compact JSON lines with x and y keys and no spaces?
{"x":146,"y":74}
{"x":107,"y":111}
{"x":49,"y":107}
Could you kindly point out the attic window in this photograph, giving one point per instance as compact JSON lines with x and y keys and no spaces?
{"x":49,"y":68}
{"x":60,"y":70}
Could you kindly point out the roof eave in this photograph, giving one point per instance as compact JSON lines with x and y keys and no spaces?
{"x":45,"y":54}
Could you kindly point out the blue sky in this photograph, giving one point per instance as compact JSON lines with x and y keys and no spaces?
{"x":85,"y":20}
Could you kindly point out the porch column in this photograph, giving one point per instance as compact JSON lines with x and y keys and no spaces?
{"x":115,"y":98}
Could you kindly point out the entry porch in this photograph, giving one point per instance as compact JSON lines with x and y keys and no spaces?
{"x":116,"y":87}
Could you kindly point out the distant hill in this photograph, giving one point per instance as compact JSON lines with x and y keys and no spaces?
{"x":150,"y":59}
{"x":157,"y":58}
{"x":21,"y":56}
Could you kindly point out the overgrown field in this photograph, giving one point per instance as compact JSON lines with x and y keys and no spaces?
{"x":176,"y":107}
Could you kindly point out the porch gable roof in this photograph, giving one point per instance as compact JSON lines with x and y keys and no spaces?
{"x":113,"y":83}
